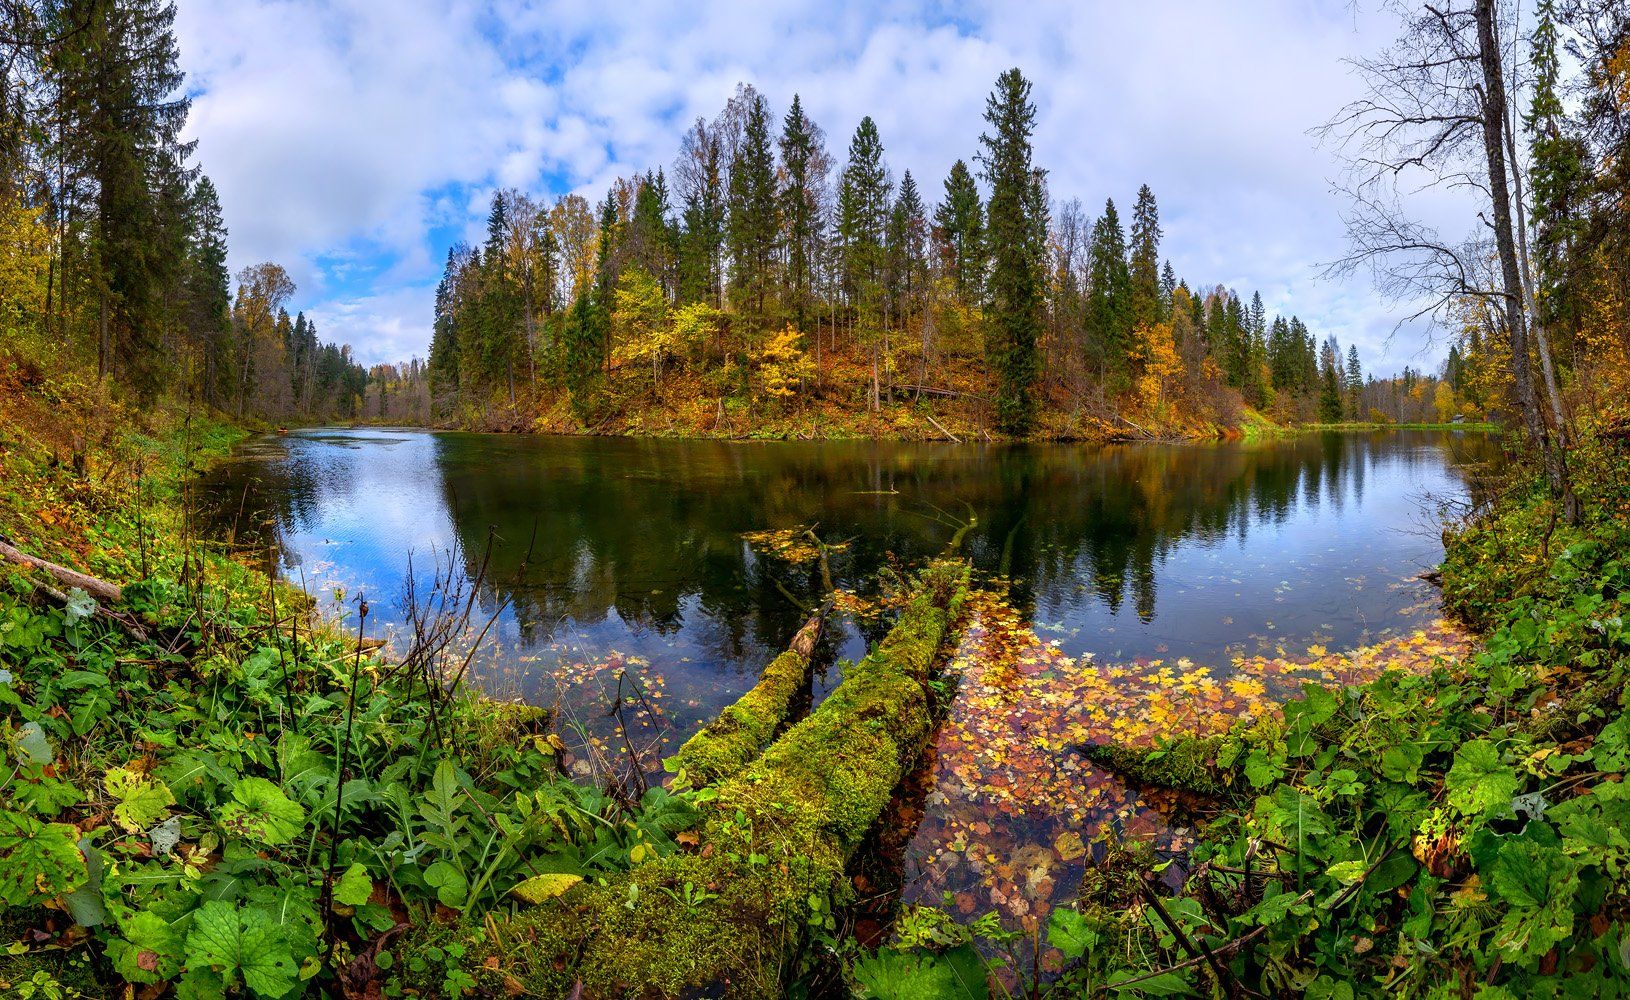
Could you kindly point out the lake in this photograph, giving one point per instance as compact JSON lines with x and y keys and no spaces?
{"x":619,"y":563}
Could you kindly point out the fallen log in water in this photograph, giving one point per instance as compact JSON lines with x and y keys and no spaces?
{"x":729,"y":917}
{"x":730,"y":742}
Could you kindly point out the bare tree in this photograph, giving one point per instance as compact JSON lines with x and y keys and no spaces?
{"x":1434,"y":117}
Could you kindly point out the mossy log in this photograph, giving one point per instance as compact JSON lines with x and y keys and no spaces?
{"x":728,"y":918}
{"x":730,"y":742}
{"x":1188,"y":764}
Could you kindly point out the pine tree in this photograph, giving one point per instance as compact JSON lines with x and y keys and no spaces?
{"x":1015,"y":288}
{"x":959,"y":221}
{"x":1145,"y":261}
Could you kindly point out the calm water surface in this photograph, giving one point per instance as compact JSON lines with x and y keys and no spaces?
{"x":1120,"y":551}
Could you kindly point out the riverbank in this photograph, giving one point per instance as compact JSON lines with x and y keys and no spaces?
{"x":212,"y":790}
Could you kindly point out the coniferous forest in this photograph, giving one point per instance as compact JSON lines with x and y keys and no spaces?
{"x":1089,"y":630}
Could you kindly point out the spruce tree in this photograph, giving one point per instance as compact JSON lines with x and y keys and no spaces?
{"x":208,"y":294}
{"x":1109,"y":298}
{"x":863,"y":207}
{"x":1016,"y":232}
{"x":1145,"y":261}
{"x":803,"y":162}
{"x":753,"y":226}
{"x":701,"y":237}
{"x":959,"y":221}
{"x":906,"y":254}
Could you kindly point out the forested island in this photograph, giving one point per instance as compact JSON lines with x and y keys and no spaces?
{"x":1026,"y":711}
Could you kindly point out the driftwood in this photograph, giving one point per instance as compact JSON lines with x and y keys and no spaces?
{"x":103,"y":591}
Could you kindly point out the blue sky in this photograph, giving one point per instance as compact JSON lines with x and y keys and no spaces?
{"x":353,"y":140}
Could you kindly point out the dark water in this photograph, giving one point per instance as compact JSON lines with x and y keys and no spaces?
{"x":638,"y":559}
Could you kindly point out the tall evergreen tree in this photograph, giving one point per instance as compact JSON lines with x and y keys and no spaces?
{"x":907,"y":251}
{"x":959,"y":221}
{"x":209,"y":294}
{"x":701,"y":240}
{"x":1015,"y":288}
{"x":1145,"y":261}
{"x":863,"y":208}
{"x":753,"y":227}
{"x":118,"y":70}
{"x":804,"y":164}
{"x":1109,"y":298}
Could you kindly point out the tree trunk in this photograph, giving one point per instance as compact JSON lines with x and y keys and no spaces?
{"x":1493,"y":121}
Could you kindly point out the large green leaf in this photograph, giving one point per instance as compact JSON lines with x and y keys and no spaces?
{"x":891,"y":974}
{"x":143,"y":801}
{"x":242,"y":944}
{"x":1538,"y":883}
{"x":38,"y":860}
{"x":150,"y":951}
{"x":1479,"y":784}
{"x":260,"y":811}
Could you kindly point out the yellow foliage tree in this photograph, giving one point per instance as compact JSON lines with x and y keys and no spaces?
{"x":25,"y":251}
{"x":781,"y":364}
{"x":1159,"y":366}
{"x":639,"y":321}
{"x":695,"y":326}
{"x":1443,"y":401}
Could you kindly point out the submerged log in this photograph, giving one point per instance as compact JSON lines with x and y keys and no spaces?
{"x":730,"y":742}
{"x":728,"y":918}
{"x":1188,"y":764}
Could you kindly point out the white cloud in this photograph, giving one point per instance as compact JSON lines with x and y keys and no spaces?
{"x":346,"y":135}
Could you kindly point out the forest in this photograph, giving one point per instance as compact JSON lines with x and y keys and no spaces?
{"x":650,"y":718}
{"x":774,"y":279}
{"x":115,"y":250}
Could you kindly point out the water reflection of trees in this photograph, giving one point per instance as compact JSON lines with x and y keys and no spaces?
{"x":650,"y":530}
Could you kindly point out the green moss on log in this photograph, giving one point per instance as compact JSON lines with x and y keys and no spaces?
{"x":730,"y":742}
{"x":1187,"y":764}
{"x":729,"y":918}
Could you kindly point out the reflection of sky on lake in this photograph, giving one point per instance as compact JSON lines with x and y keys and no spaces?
{"x":1123,"y":551}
